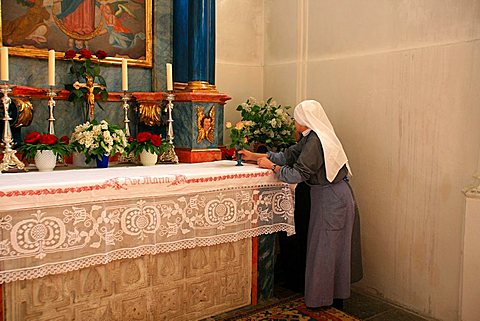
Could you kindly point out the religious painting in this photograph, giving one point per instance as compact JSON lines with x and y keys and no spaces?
{"x":122,"y":28}
{"x":205,"y":124}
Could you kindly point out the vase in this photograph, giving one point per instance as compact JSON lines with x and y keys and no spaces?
{"x":78,"y":159}
{"x":147,"y":158}
{"x":239,"y":158}
{"x":45,"y":160}
{"x":102,"y":163}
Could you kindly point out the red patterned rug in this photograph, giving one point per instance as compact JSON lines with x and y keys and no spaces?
{"x":293,"y":310}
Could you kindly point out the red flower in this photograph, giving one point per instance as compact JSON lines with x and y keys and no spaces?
{"x":64,"y":139}
{"x":101,"y":54}
{"x":156,"y":140}
{"x":69,"y":54}
{"x":85,"y":53}
{"x":131,"y":139}
{"x":143,"y":137}
{"x":32,"y":137}
{"x":48,"y":139}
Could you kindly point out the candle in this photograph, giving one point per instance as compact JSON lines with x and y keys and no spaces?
{"x":51,"y":68}
{"x":169,"y":77}
{"x":124,"y":75}
{"x":4,"y":63}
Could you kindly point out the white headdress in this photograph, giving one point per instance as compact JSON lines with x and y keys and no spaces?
{"x":310,"y":113}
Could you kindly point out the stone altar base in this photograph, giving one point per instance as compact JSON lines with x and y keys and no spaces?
{"x":183,"y":285}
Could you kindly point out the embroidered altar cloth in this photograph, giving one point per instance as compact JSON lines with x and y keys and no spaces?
{"x":55,"y":222}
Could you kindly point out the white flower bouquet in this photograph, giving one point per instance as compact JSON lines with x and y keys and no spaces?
{"x":269,"y":123}
{"x":98,"y":139}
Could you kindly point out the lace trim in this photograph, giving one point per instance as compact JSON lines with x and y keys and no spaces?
{"x":104,"y":258}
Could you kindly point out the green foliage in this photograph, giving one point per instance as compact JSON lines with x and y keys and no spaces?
{"x":269,"y":123}
{"x":29,"y":150}
{"x":97,"y":139}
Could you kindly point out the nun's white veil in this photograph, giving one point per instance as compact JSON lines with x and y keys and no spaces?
{"x":310,"y":113}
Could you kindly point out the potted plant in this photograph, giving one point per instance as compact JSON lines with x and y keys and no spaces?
{"x":147,"y":146}
{"x":270,"y":123}
{"x":238,"y":137}
{"x":43,"y":149}
{"x":98,"y":141}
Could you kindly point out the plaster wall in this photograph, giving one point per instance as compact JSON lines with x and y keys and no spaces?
{"x":399,"y":81}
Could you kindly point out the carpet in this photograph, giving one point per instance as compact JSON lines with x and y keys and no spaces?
{"x":294,"y":309}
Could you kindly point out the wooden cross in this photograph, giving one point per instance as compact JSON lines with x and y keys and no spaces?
{"x":90,"y":85}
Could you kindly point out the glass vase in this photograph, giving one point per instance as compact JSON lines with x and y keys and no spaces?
{"x":239,"y":157}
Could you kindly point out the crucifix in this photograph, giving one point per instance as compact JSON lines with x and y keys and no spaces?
{"x":90,"y":85}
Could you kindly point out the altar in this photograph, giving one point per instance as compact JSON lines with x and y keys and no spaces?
{"x":169,"y":242}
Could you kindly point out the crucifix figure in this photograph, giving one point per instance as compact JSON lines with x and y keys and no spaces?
{"x":90,"y":85}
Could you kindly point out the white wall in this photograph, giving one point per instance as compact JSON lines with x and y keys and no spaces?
{"x":400,"y":82}
{"x":239,"y":52}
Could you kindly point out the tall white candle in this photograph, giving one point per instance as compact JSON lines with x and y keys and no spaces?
{"x":51,"y":67}
{"x":4,"y":63}
{"x":169,"y":77}
{"x":124,"y":75}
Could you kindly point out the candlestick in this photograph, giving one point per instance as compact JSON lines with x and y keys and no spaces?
{"x":10,"y":160}
{"x":51,"y":68}
{"x":124,"y":75}
{"x":4,"y":63}
{"x":51,"y":105}
{"x":170,"y":156}
{"x":169,"y":77}
{"x":126,"y":106}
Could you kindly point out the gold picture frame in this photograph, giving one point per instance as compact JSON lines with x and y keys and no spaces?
{"x":31,"y":27}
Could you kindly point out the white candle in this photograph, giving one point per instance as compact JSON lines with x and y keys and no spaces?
{"x":51,"y":67}
{"x":124,"y":75}
{"x":4,"y":63}
{"x":169,"y":77}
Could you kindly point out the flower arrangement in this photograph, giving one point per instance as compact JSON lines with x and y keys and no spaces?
{"x":98,"y":139}
{"x":85,"y":69}
{"x":238,"y":134}
{"x":145,"y":141}
{"x":35,"y":141}
{"x":270,"y":123}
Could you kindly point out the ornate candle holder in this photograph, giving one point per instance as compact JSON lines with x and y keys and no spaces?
{"x":130,"y":158}
{"x":51,"y":106}
{"x":126,"y":107}
{"x":10,"y":160}
{"x":170,"y":155}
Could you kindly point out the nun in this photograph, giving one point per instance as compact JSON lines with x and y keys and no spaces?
{"x":318,"y":159}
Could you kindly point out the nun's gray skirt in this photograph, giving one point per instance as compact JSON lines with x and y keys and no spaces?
{"x":329,"y":242}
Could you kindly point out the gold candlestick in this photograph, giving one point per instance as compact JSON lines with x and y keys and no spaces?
{"x":10,"y":160}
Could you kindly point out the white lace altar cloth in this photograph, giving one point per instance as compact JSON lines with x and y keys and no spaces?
{"x":60,"y":221}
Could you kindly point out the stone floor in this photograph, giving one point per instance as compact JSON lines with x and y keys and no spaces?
{"x":362,"y":306}
{"x":366,"y":307}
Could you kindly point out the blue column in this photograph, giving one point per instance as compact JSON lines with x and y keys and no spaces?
{"x":180,"y":40}
{"x":194,"y":40}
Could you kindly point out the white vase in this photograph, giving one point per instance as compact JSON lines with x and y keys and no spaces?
{"x":45,"y":160}
{"x":147,"y":158}
{"x":79,"y":160}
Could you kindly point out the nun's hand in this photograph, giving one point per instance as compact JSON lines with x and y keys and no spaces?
{"x":264,"y":162}
{"x":247,"y":155}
